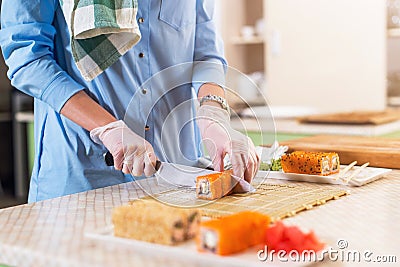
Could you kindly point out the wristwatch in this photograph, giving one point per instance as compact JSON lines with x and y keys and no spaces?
{"x":215,"y":98}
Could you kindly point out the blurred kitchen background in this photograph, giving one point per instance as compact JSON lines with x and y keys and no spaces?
{"x":304,"y":58}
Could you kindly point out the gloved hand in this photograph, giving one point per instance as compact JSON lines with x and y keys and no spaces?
{"x":132,"y":154}
{"x":220,"y":139}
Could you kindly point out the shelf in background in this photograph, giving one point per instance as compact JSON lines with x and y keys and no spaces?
{"x":238,"y":40}
{"x":24,"y":116}
{"x":394,"y":32}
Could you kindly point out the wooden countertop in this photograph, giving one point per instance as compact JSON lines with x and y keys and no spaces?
{"x":52,"y":232}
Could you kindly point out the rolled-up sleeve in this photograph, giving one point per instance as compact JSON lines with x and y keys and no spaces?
{"x":210,"y":64}
{"x":27,"y":43}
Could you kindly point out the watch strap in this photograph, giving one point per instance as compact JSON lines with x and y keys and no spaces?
{"x":215,"y":98}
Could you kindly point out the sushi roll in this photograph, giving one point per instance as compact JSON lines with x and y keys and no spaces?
{"x":215,"y":185}
{"x":318,"y":163}
{"x":232,"y":234}
{"x":154,"y":222}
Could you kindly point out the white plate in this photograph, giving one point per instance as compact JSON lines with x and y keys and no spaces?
{"x":367,"y":175}
{"x":188,"y":250}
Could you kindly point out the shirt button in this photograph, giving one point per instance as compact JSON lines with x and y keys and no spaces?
{"x":141,"y":20}
{"x":141,"y":55}
{"x":144,"y":91}
{"x":147,"y":127}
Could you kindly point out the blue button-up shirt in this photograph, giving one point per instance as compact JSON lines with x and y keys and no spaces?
{"x":36,"y":46}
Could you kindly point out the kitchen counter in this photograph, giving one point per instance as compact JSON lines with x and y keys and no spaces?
{"x":52,"y":232}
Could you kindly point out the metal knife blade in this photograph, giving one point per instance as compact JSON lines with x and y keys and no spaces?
{"x":171,"y":173}
{"x":176,"y":175}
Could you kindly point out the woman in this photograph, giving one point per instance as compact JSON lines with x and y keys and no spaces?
{"x":77,"y":122}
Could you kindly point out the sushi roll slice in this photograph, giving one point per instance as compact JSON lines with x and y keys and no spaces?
{"x":318,"y":163}
{"x":232,"y":234}
{"x":215,"y":185}
{"x":154,"y":222}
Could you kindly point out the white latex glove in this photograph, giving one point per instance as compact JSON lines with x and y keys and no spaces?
{"x":132,"y":153}
{"x":220,"y":139}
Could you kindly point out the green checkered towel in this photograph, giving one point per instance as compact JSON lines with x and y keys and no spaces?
{"x":101,"y":32}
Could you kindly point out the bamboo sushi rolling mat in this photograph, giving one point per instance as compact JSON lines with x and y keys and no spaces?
{"x":275,"y":200}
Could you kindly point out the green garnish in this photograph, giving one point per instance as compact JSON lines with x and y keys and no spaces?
{"x":275,"y":165}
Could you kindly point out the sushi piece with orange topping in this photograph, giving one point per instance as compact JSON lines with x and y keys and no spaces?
{"x":318,"y":163}
{"x":233,"y":233}
{"x":215,"y":185}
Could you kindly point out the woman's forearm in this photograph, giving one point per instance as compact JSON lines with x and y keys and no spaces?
{"x":86,"y":112}
{"x":210,"y":89}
